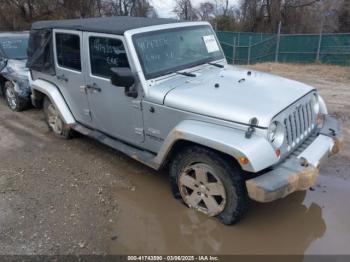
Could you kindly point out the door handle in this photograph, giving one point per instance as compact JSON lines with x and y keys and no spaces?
{"x":62,"y":78}
{"x":95,"y":88}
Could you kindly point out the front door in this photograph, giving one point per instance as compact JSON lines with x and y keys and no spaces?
{"x":68,"y":46}
{"x":113,"y":112}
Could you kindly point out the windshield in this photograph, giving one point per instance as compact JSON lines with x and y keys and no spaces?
{"x":14,"y":47}
{"x":165,"y":51}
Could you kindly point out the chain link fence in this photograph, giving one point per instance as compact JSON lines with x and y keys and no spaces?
{"x":250,"y":48}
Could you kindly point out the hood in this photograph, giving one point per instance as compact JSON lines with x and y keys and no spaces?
{"x":16,"y":68}
{"x":231,"y":94}
{"x":18,"y":65}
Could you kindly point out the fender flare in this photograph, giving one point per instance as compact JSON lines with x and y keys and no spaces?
{"x":224,"y":139}
{"x":51,"y":91}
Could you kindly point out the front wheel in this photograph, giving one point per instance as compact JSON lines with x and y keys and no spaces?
{"x":54,"y":120}
{"x":14,"y":101}
{"x":210,"y":183}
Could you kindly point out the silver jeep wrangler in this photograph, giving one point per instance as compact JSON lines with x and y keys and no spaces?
{"x":162,"y":92}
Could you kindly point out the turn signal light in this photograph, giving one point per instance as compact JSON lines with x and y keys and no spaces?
{"x":243,"y":160}
{"x":320,"y":120}
{"x":278,"y":152}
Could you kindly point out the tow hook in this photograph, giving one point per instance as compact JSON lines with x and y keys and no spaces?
{"x":332,"y":131}
{"x":304,"y":162}
{"x":251,"y":129}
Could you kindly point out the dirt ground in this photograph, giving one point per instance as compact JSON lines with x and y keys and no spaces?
{"x":80,"y":197}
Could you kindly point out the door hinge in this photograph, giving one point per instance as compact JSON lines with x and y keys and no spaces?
{"x":139,"y":131}
{"x":87,"y":112}
{"x":83,"y":89}
{"x":136,"y":104}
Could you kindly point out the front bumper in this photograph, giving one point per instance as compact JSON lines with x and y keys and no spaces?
{"x":297,"y":172}
{"x":21,"y":84}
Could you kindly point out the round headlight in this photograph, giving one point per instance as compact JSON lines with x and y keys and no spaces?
{"x":276,"y":134}
{"x":315,"y":103}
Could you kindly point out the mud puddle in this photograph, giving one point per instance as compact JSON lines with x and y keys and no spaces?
{"x":152,"y":222}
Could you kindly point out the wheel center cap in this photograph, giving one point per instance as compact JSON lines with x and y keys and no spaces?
{"x":202,"y":189}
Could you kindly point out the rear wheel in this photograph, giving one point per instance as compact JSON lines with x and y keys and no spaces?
{"x":54,"y":120}
{"x":14,"y":101}
{"x":210,"y":183}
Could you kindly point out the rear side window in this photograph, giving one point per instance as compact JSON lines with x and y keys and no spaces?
{"x":106,"y":53}
{"x":68,"y":51}
{"x":40,"y":52}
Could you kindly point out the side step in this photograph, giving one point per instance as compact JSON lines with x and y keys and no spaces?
{"x":140,"y":155}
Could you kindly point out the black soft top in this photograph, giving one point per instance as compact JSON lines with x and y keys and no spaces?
{"x":110,"y":25}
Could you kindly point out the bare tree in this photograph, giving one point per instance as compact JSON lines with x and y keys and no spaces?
{"x":19,"y":14}
{"x":296,"y":15}
{"x":222,"y":7}
{"x":185,"y":10}
{"x":344,"y":17}
{"x":206,"y":11}
{"x":126,"y":7}
{"x":225,"y":17}
{"x":140,"y":8}
{"x":225,"y":8}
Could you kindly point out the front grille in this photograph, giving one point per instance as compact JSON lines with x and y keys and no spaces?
{"x":299,"y":123}
{"x":307,"y":142}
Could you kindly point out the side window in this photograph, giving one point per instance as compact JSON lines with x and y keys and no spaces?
{"x":68,"y":51}
{"x":106,"y":53}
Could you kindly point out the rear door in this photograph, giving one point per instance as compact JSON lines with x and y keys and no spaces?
{"x":113,"y":112}
{"x":68,"y":46}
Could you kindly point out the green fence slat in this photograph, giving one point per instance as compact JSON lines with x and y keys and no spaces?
{"x":299,"y":48}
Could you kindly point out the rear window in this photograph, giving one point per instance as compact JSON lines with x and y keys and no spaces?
{"x":68,"y":51}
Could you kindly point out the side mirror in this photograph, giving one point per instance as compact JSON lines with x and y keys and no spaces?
{"x":123,"y":77}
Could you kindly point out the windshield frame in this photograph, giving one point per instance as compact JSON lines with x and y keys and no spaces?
{"x":149,"y":76}
{"x":3,"y":51}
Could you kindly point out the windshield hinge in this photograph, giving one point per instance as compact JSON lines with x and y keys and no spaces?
{"x":87,"y":112}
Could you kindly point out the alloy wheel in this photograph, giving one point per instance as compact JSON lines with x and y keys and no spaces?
{"x":202,"y":189}
{"x":54,"y":119}
{"x":11,"y":97}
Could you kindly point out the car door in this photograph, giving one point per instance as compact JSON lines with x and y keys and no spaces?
{"x":114,"y":113}
{"x":68,"y":53}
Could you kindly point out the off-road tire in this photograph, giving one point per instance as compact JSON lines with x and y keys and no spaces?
{"x":229,"y":172}
{"x":20,"y":102}
{"x":65,"y":132}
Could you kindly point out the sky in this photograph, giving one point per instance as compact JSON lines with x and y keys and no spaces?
{"x":165,"y":8}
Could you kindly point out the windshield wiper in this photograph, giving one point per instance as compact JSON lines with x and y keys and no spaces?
{"x":217,"y":65}
{"x":185,"y":74}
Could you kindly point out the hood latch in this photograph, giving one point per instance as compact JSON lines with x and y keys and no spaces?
{"x":253,"y":122}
